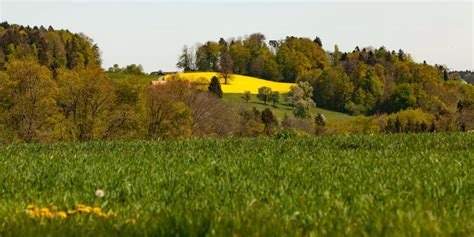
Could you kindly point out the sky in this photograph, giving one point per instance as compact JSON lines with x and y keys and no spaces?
{"x":152,"y":33}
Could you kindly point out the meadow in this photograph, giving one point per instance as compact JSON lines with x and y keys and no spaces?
{"x":282,"y":108}
{"x":390,"y":185}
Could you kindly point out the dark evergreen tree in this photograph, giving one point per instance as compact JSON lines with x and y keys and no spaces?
{"x":401,"y":55}
{"x":371,"y":59}
{"x":445,"y":75}
{"x":215,"y":87}
{"x":318,"y":41}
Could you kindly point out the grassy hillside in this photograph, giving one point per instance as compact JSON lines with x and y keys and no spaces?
{"x":281,"y":109}
{"x":384,"y":185}
{"x":236,"y":83}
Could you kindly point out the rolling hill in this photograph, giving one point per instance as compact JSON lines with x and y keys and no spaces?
{"x":236,"y":83}
{"x":237,"y":86}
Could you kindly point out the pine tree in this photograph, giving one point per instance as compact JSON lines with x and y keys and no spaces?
{"x":215,"y":87}
{"x":318,"y":41}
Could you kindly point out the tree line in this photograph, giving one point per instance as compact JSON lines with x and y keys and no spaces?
{"x":365,"y":81}
{"x":53,"y":89}
{"x":54,"y":49}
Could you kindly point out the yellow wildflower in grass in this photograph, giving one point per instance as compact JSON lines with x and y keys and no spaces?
{"x":48,"y":215}
{"x":62,"y":214}
{"x":84,"y":208}
{"x":36,"y":212}
{"x":33,"y":214}
{"x":236,"y":83}
{"x":97,"y":210}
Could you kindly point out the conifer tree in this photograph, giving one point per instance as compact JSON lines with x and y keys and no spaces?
{"x":215,"y":87}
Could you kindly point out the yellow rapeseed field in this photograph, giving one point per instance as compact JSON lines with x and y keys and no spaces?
{"x":236,"y":83}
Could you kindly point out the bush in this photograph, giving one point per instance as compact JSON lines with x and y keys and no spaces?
{"x":411,"y":120}
{"x":357,"y":125}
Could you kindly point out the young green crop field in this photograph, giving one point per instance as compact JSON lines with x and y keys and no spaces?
{"x":389,"y":185}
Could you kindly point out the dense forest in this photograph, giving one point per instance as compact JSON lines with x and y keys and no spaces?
{"x":54,"y":49}
{"x":53,"y":88}
{"x":364,"y":81}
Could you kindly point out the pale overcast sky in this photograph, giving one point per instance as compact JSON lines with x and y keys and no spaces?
{"x":152,"y":33}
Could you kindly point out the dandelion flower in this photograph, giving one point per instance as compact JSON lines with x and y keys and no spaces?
{"x":99,"y":193}
{"x":62,"y":214}
{"x":97,"y":210}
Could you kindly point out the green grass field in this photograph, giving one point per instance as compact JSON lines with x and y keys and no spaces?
{"x":384,"y":185}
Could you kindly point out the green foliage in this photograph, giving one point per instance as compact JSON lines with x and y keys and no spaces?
{"x":333,"y":89}
{"x":207,"y":57}
{"x":250,"y":122}
{"x":283,"y":108}
{"x":85,"y":96}
{"x":186,"y":60}
{"x":363,"y":81}
{"x":403,"y":98}
{"x":367,"y":92}
{"x":132,"y":69}
{"x":28,"y":104}
{"x":411,"y":120}
{"x":169,"y":117}
{"x":246,"y":96}
{"x":264,"y":94}
{"x":126,"y":119}
{"x":357,"y":125}
{"x":274,"y":98}
{"x":298,"y":56}
{"x":300,"y":97}
{"x":396,"y":185}
{"x":302,"y":108}
{"x":54,"y":49}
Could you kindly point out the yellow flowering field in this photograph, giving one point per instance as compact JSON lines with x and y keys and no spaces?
{"x":236,"y":83}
